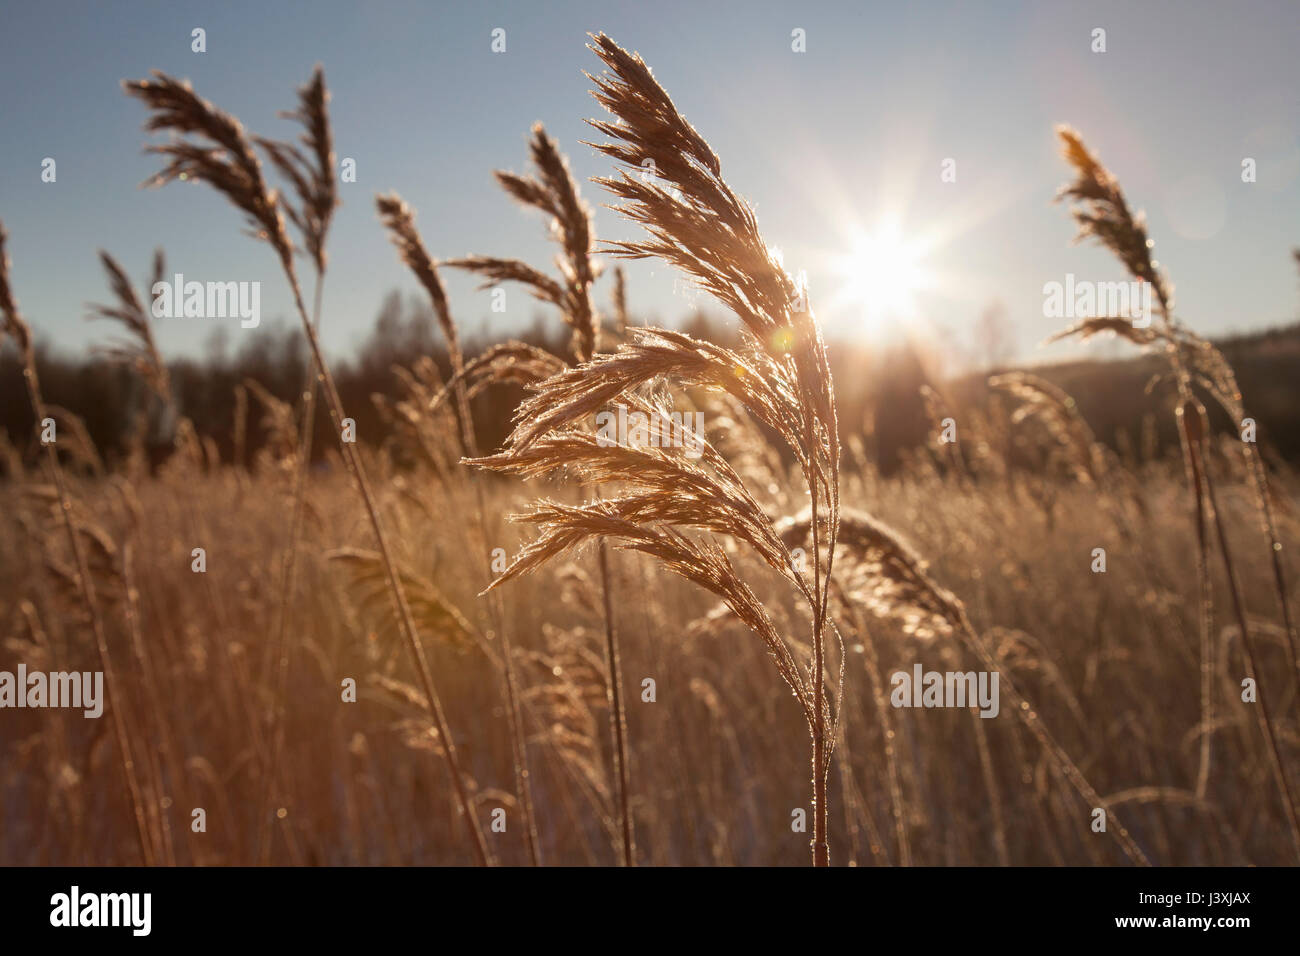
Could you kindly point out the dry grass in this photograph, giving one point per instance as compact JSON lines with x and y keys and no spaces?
{"x":222,"y":156}
{"x":1196,"y":367}
{"x":1109,"y":661}
{"x":754,"y":583}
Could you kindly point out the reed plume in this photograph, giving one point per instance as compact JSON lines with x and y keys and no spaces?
{"x":1102,"y":213}
{"x":712,"y":235}
{"x":554,"y":192}
{"x":1059,"y":414}
{"x":399,"y":220}
{"x":619,"y":300}
{"x":309,"y":169}
{"x":223,"y":157}
{"x":140,"y":352}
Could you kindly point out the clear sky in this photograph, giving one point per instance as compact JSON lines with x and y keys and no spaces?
{"x":841,"y":142}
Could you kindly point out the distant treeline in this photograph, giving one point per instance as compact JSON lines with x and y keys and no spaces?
{"x":879,"y":390}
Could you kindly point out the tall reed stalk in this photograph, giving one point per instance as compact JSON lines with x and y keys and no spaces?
{"x":554,"y":191}
{"x":400,"y":222}
{"x":311,"y":174}
{"x":1102,"y":213}
{"x":222,"y":156}
{"x":780,"y":374}
{"x":18,"y":329}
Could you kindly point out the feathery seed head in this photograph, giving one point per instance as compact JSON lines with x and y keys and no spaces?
{"x":222,"y":155}
{"x":1103,"y":213}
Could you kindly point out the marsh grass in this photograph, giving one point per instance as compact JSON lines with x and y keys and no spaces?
{"x":757,"y":583}
{"x":1196,"y":366}
{"x":222,"y":156}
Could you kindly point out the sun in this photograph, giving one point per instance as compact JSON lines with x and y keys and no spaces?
{"x":882,"y":274}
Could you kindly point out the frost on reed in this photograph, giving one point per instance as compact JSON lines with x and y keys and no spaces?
{"x":779,"y":374}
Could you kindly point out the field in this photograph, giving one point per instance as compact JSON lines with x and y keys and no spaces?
{"x":718,"y":760}
{"x":690,"y":650}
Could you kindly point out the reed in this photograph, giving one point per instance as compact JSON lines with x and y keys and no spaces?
{"x":1102,"y":213}
{"x":553,"y":191}
{"x":16,"y":328}
{"x":400,"y":222}
{"x":309,"y":169}
{"x":221,"y":155}
{"x":698,"y":224}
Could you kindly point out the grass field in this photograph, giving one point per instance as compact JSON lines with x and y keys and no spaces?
{"x":717,"y":760}
{"x":678,"y":652}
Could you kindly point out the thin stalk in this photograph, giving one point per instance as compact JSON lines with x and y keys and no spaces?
{"x":820,"y":846}
{"x":287,"y":581}
{"x":515,"y":719}
{"x":617,"y":722}
{"x":889,"y":739}
{"x":174,"y":765}
{"x":1263,"y":714}
{"x":1034,"y":724}
{"x":1259,"y":479}
{"x":1195,"y":482}
{"x":888,"y":735}
{"x":407,"y":622}
{"x":991,"y":785}
{"x":87,"y":588}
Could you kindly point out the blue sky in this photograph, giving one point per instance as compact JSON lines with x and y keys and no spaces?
{"x":826,"y":144}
